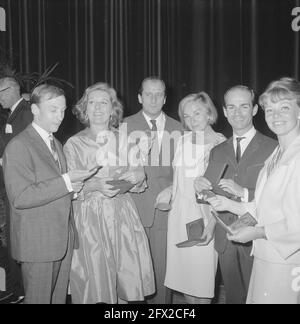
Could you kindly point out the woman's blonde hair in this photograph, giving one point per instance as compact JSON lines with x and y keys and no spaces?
{"x":203,"y":99}
{"x":117,"y":108}
{"x":284,"y":88}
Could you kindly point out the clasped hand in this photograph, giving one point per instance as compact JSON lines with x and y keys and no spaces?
{"x":77,"y":177}
{"x":232,"y":187}
{"x":134,"y":176}
{"x":247,"y":234}
{"x":228,"y":185}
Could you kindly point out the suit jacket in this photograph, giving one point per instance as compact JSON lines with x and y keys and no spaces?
{"x":278,"y":208}
{"x":19,"y":120}
{"x":40,"y":203}
{"x":245,"y":174}
{"x":158,"y":177}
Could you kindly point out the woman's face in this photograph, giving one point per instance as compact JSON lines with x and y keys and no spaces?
{"x":196,"y":116}
{"x":99,"y":108}
{"x":282,"y":117}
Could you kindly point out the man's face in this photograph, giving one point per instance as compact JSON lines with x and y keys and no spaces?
{"x":239,"y":110}
{"x":50,"y":113}
{"x":9,"y":95}
{"x":152,"y":98}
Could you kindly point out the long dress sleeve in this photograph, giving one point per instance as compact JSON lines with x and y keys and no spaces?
{"x":284,"y":235}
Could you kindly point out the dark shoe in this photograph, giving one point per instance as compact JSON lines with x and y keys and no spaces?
{"x":17,"y":299}
{"x":11,"y":299}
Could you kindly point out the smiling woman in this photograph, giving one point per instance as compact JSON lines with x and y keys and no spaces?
{"x":113,"y":263}
{"x":99,"y":95}
{"x":281,"y":104}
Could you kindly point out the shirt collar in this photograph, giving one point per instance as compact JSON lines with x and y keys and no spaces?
{"x":13,"y":107}
{"x":159,"y":120}
{"x":43,"y":133}
{"x":249,"y":135}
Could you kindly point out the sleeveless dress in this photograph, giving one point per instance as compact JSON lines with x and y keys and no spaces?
{"x":113,"y":259}
{"x":189,"y":270}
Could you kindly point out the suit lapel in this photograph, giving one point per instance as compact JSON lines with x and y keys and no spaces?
{"x":251,"y":148}
{"x":15,"y":112}
{"x":41,"y":146}
{"x":142,"y":121}
{"x":230,"y":152}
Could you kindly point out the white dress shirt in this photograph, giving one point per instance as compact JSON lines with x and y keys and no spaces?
{"x":160,"y":123}
{"x":13,"y":107}
{"x":46,"y":138}
{"x":246,"y":141}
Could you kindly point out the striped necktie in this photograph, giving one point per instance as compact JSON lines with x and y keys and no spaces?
{"x":54,"y":151}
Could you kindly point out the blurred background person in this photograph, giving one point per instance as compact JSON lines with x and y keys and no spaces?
{"x":19,"y":116}
{"x":191,"y":270}
{"x":113,"y":263}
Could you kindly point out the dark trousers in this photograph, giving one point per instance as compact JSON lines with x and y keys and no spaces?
{"x":157,"y":235}
{"x":13,"y":278}
{"x":236,"y":267}
{"x":47,"y":282}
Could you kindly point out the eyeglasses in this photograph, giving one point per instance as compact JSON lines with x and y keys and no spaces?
{"x":4,"y":89}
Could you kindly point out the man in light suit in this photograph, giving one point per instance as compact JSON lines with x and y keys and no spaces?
{"x":159,"y":173}
{"x":20,"y":116}
{"x":245,"y":153}
{"x":40,"y":190}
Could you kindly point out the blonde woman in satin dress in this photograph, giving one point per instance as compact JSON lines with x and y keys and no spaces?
{"x":113,"y":262}
{"x":276,"y":238}
{"x":191,"y":270}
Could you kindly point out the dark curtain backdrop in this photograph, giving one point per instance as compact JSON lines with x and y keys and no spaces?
{"x":193,"y":45}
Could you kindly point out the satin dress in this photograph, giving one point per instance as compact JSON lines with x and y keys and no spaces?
{"x":189,"y":270}
{"x":113,"y":260}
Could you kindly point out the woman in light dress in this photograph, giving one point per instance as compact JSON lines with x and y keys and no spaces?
{"x":275,"y":276}
{"x":113,"y":262}
{"x":191,"y":270}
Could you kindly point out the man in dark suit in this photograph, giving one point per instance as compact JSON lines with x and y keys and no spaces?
{"x":19,"y":117}
{"x":159,"y":172}
{"x":40,"y":190}
{"x":245,"y":153}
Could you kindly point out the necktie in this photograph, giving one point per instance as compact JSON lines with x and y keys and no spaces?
{"x":154,"y":154}
{"x":238,"y":148}
{"x":273,"y":163}
{"x":154,"y":126}
{"x":54,"y":151}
